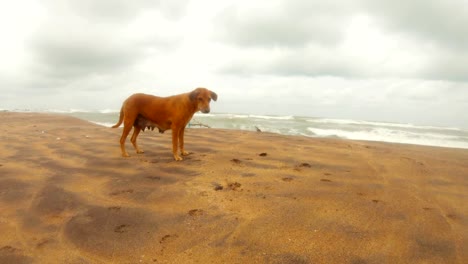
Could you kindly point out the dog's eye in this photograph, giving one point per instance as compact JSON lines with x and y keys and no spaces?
{"x":200,"y":99}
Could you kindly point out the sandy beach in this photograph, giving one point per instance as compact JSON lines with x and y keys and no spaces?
{"x":67,"y":196}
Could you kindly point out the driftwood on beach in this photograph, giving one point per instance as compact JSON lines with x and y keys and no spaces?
{"x":197,"y":123}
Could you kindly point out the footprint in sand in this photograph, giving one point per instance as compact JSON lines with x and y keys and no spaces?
{"x":121,"y":192}
{"x":121,"y":229}
{"x":153,"y":178}
{"x":234,"y":186}
{"x":299,"y":167}
{"x":9,"y":249}
{"x":166,"y":237}
{"x":236,"y":161}
{"x":217,"y":186}
{"x":196,"y":212}
{"x":452,"y":216}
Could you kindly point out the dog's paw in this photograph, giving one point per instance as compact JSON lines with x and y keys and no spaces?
{"x":185,"y":153}
{"x":177,"y":158}
{"x":125,"y":155}
{"x":140,"y":151}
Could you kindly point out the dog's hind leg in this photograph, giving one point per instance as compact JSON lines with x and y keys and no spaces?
{"x":125,"y":132}
{"x":136,"y":131}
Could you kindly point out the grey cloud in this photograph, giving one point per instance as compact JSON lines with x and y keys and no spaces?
{"x":74,"y":42}
{"x":309,"y":65}
{"x":447,"y":65}
{"x":292,"y":23}
{"x":68,"y":57}
{"x":311,"y":61}
{"x":435,"y":27}
{"x":435,"y":22}
{"x":438,"y":27}
{"x":296,"y":64}
{"x":116,"y":11}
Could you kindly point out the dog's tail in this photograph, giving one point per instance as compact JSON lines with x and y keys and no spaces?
{"x":120,"y":118}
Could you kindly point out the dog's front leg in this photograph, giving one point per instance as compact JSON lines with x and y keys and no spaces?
{"x":175,"y":139}
{"x":181,"y":142}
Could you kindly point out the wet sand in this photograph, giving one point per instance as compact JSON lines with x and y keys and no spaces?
{"x":67,"y":196}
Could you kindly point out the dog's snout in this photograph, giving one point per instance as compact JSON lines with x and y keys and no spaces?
{"x":206,"y":110}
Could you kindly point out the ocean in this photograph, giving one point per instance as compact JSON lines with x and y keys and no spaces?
{"x":313,"y":127}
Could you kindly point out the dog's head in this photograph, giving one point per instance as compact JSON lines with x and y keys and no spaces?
{"x":202,"y":97}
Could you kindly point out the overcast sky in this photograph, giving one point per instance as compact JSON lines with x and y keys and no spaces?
{"x":396,"y":60}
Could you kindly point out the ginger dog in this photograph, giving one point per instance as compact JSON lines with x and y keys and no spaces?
{"x":173,"y":112}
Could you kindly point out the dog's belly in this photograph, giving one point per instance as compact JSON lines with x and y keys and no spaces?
{"x":144,"y":123}
{"x":163,"y":127}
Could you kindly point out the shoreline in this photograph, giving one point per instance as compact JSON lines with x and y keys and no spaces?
{"x":317,"y":128}
{"x":67,"y":196}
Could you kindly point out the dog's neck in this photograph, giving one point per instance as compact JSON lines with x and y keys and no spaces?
{"x":193,"y":105}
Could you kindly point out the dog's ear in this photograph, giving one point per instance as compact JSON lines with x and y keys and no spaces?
{"x":194,"y":94}
{"x":214,"y":96}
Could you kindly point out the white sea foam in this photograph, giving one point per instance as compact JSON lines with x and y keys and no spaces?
{"x":373,"y":123}
{"x":69,"y":111}
{"x":205,"y":115}
{"x":272,"y":117}
{"x":397,"y":136}
{"x":246,"y":116}
{"x":109,"y":111}
{"x":106,"y":124}
{"x":231,"y":116}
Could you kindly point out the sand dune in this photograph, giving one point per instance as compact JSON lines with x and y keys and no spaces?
{"x":67,"y":196}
